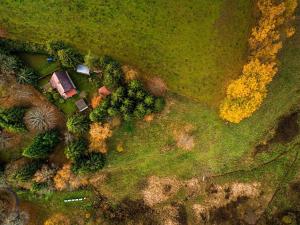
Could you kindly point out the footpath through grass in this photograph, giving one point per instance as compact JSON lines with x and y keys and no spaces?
{"x":196,"y":46}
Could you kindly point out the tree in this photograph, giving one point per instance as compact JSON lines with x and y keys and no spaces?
{"x":8,"y":63}
{"x":98,"y":135}
{"x":27,"y":171}
{"x":41,"y":118}
{"x":68,"y":57}
{"x":12,"y":119}
{"x":96,"y":100}
{"x":42,"y":145}
{"x":54,"y":46}
{"x":78,"y":124}
{"x":76,"y":149}
{"x":159,"y":104}
{"x":91,"y":162}
{"x":27,"y":76}
{"x":91,"y":60}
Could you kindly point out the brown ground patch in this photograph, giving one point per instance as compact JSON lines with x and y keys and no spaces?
{"x":156,"y":86}
{"x":286,"y":130}
{"x":160,"y":189}
{"x":236,"y":203}
{"x":184,"y":138}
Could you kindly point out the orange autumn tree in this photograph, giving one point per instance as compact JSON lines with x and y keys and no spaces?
{"x":245,"y":94}
{"x":96,"y":100}
{"x":98,"y":135}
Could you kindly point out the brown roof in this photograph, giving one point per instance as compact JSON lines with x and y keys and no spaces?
{"x":81,"y":105}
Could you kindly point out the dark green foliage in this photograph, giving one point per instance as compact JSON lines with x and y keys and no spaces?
{"x":12,"y":119}
{"x":38,"y":186}
{"x":42,"y":145}
{"x":69,"y":58}
{"x":21,"y":46}
{"x":89,"y":163}
{"x":27,"y":76}
{"x":76,"y":149}
{"x":27,"y":171}
{"x":159,"y":104}
{"x":54,"y":46}
{"x":112,"y":72}
{"x":8,"y":63}
{"x":129,"y":101}
{"x":78,"y":124}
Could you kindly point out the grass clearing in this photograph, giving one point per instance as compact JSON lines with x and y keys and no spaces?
{"x":195,"y":46}
{"x":220,"y":147}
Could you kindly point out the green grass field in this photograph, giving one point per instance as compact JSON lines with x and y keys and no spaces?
{"x":195,"y":46}
{"x":219,"y":148}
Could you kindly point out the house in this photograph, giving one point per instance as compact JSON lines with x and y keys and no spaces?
{"x":83,"y":69}
{"x":62,"y":82}
{"x":104,"y":91}
{"x":81,"y":105}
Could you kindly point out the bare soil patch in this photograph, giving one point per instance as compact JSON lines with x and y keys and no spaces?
{"x":236,"y":203}
{"x":156,"y":86}
{"x":184,"y":138}
{"x":160,"y":189}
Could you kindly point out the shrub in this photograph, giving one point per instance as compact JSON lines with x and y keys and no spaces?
{"x":91,"y":60}
{"x":21,"y":46}
{"x":27,"y":76}
{"x":68,"y":57}
{"x":78,"y":124}
{"x":42,"y":145}
{"x":53,"y":47}
{"x":76,"y":149}
{"x":8,"y":63}
{"x":27,"y":171}
{"x":12,"y":119}
{"x":91,"y":162}
{"x":98,"y":135}
{"x":159,"y":104}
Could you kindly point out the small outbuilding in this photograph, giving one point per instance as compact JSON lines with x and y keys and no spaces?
{"x":83,"y":69}
{"x":81,"y":105}
{"x":104,"y":91}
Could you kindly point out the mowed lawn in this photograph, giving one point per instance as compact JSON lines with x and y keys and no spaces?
{"x":196,"y":46}
{"x":219,"y":147}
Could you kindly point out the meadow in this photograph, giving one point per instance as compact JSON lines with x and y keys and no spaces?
{"x":195,"y":46}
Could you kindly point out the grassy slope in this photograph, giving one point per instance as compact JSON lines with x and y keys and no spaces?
{"x":194,"y":45}
{"x":219,"y":147}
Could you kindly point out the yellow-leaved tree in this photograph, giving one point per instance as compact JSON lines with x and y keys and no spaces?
{"x":98,"y":135}
{"x":245,"y":94}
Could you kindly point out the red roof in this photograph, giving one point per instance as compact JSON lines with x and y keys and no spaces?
{"x":104,"y":91}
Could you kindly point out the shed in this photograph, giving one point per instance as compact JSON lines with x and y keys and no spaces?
{"x":81,"y":105}
{"x":83,"y":69}
{"x":104,"y":91}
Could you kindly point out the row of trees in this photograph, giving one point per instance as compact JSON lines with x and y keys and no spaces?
{"x":245,"y":95}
